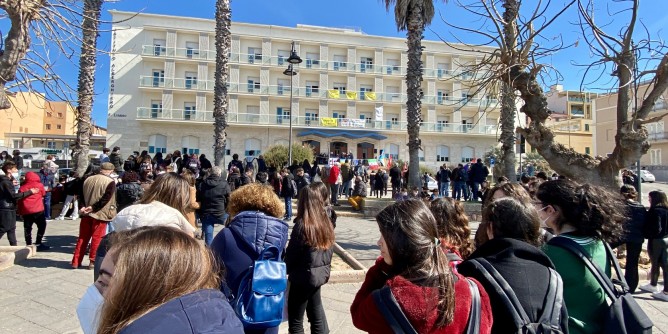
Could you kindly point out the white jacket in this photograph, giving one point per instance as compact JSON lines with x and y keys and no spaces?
{"x":152,"y":214}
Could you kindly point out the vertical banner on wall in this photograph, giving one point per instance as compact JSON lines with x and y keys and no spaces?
{"x":379,"y":113}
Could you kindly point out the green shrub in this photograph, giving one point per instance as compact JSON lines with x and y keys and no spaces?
{"x":277,"y":155}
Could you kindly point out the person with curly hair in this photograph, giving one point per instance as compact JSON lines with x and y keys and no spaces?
{"x":513,"y":229}
{"x":453,"y":228}
{"x":256,"y":224}
{"x":590,"y":216}
{"x":501,"y":190}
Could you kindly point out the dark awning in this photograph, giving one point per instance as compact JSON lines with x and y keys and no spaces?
{"x":340,"y":133}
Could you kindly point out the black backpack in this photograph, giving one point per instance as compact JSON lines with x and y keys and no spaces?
{"x":624,"y":315}
{"x":549,"y":321}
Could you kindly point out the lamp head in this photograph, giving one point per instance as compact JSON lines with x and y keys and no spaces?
{"x":294,"y":57}
{"x":290,"y":71}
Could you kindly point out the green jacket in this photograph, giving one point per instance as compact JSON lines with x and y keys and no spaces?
{"x":584,"y":297}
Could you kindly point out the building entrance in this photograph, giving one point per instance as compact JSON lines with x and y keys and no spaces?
{"x":338,"y":147}
{"x":365,"y":151}
{"x":314,"y":144}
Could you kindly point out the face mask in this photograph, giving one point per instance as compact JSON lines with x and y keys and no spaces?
{"x":89,"y":309}
{"x":543,"y":222}
{"x":15,"y":176}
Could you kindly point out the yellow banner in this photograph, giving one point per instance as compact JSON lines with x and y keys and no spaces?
{"x":328,"y":121}
{"x":370,"y":96}
{"x":351,"y":95}
{"x":333,"y":94}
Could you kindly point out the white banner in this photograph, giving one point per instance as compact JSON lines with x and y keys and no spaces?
{"x":351,"y":123}
{"x":379,"y":113}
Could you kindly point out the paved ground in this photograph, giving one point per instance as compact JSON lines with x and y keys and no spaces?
{"x":40,"y":295}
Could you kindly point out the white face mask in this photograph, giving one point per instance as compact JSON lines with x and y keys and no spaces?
{"x":15,"y":176}
{"x":89,"y":309}
{"x":543,"y":222}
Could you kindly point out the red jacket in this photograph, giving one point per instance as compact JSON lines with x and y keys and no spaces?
{"x":421,"y":313}
{"x":333,"y":174}
{"x":35,"y":202}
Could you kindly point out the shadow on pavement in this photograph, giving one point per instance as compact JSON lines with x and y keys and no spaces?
{"x":357,"y":246}
{"x":61,"y":243}
{"x":45,"y":263}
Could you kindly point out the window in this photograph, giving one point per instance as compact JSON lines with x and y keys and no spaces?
{"x":16,"y":143}
{"x":587,"y":150}
{"x":159,"y":48}
{"x":283,"y":55}
{"x":311,"y":115}
{"x":392,"y":150}
{"x":47,"y":126}
{"x":253,"y":84}
{"x":252,"y":114}
{"x":655,"y":156}
{"x":157,"y":143}
{"x":442,"y":123}
{"x":51,"y":145}
{"x":190,"y":145}
{"x":393,"y":93}
{"x":191,"y":80}
{"x":254,"y":145}
{"x":587,"y":127}
{"x":467,"y":154}
{"x":442,"y":69}
{"x":421,"y":155}
{"x":312,"y":88}
{"x":156,"y":109}
{"x":158,"y":78}
{"x":60,"y":115}
{"x":282,"y":114}
{"x":282,"y":86}
{"x":312,"y":60}
{"x":192,"y":50}
{"x":442,"y":154}
{"x":339,"y":63}
{"x":392,"y":65}
{"x":254,"y":55}
{"x":366,"y":64}
{"x":341,"y":88}
{"x":339,"y":114}
{"x":364,"y":89}
{"x":59,"y":127}
{"x":366,"y":117}
{"x":189,"y":110}
{"x":441,"y":96}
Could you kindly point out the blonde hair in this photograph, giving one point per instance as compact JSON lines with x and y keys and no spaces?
{"x":256,"y":197}
{"x":153,"y":265}
{"x":170,"y":189}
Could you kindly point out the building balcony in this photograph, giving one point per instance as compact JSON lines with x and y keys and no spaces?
{"x":193,"y":116}
{"x":657,"y":136}
{"x":175,"y":83}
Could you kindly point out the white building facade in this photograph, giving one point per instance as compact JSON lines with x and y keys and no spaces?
{"x":348,"y":94}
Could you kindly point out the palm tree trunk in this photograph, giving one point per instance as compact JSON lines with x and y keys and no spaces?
{"x":414,"y":93}
{"x":507,"y":137}
{"x":220,"y":104}
{"x":90,"y":28}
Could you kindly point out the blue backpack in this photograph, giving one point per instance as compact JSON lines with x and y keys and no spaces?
{"x":261,"y":296}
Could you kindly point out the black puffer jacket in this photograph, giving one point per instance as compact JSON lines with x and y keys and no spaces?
{"x":305,"y":264}
{"x":8,"y":197}
{"x":656,"y":223}
{"x":634,"y":226}
{"x":213,"y":194}
{"x":127,"y":194}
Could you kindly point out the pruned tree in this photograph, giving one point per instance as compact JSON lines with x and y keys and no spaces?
{"x":516,"y":62}
{"x":413,"y":16}
{"x":90,"y":26}
{"x":220,"y":103}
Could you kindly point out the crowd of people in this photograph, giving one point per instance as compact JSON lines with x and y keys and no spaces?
{"x":141,"y":218}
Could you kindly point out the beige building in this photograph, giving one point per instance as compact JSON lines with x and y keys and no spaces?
{"x":34,"y":122}
{"x":606,"y":128}
{"x":348,"y":94}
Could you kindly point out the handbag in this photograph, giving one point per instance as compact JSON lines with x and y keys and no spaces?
{"x":396,"y":319}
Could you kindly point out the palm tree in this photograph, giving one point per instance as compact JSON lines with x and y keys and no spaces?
{"x":220,"y":104}
{"x":413,"y":16}
{"x":90,"y":25}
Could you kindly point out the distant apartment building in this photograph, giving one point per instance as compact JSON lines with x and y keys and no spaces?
{"x":606,"y":128}
{"x":349,"y":93}
{"x":33,"y":122}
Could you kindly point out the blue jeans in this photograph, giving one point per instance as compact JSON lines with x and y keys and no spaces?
{"x":47,"y":205}
{"x":345,"y":188}
{"x":288,"y":206}
{"x":460,"y":189}
{"x":445,"y":189}
{"x":208,"y":221}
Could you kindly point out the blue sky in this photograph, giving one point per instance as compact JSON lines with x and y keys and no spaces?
{"x":369,"y":15}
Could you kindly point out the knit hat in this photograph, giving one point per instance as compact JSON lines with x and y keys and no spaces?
{"x":107,"y":166}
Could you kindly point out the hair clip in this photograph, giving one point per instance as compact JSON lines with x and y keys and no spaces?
{"x":437,"y":242}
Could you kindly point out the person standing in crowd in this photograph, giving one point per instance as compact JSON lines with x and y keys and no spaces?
{"x":4,"y":156}
{"x":453,"y":228}
{"x":31,"y":208}
{"x":334,"y":174}
{"x":246,"y":177}
{"x":213,"y":195}
{"x":590,"y":216}
{"x":204,"y":163}
{"x":158,"y":161}
{"x":308,"y":259}
{"x":359,"y":194}
{"x":234,"y":178}
{"x":347,"y":176}
{"x":275,"y":182}
{"x":99,"y":208}
{"x":261,"y":164}
{"x":47,"y":175}
{"x":656,"y":230}
{"x":130,"y":164}
{"x":194,"y":204}
{"x":157,"y":280}
{"x":415,"y":269}
{"x":262,"y":178}
{"x":116,"y":159}
{"x":146,"y":179}
{"x":395,"y":179}
{"x":513,"y":230}
{"x":287,"y":191}
{"x":235,"y":163}
{"x":177,"y":162}
{"x":301,"y":179}
{"x":18,"y":160}
{"x":478,"y":174}
{"x":70,"y":189}
{"x":255,"y":225}
{"x":8,"y":200}
{"x":104,"y":156}
{"x":633,"y":238}
{"x":378,"y":183}
{"x":128,"y":191}
{"x":315,"y":171}
{"x":444,"y":181}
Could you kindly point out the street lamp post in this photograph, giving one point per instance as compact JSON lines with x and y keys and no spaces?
{"x":292,"y":60}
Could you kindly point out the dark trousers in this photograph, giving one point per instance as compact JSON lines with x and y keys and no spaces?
{"x":631,"y":272}
{"x":335,"y":191}
{"x":8,"y":225}
{"x":657,"y":250}
{"x":34,"y":218}
{"x":307,"y":299}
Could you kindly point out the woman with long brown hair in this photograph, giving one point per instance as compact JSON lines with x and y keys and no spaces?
{"x":308,"y":259}
{"x":415,"y":269}
{"x":194,"y":205}
{"x":158,"y":280}
{"x":453,"y":228}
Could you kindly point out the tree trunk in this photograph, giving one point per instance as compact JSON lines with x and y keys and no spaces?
{"x":220,"y":103}
{"x":20,"y":14}
{"x":414,"y":92}
{"x":86,"y":82}
{"x":507,"y":137}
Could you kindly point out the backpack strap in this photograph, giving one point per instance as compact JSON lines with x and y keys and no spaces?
{"x":391,"y":311}
{"x":473,"y":323}
{"x":503,"y":289}
{"x":554,"y":301}
{"x":581,"y":253}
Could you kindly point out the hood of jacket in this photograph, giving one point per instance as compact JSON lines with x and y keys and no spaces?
{"x":152,"y":214}
{"x":212,"y":182}
{"x":203,"y":311}
{"x":258,"y":230}
{"x":32,"y":178}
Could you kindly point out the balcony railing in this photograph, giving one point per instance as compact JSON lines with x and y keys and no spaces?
{"x":308,"y":121}
{"x":175,"y":83}
{"x":655,"y":136}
